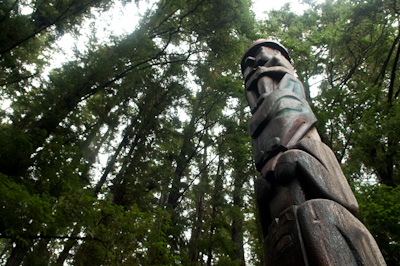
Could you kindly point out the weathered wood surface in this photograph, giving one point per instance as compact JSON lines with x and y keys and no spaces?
{"x":305,"y":205}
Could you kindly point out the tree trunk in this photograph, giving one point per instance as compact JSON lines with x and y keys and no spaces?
{"x":237,"y":223}
{"x":112,"y":160}
{"x":217,"y":193}
{"x":70,"y":243}
{"x":194,"y":249}
{"x":239,"y":168}
{"x":18,"y":253}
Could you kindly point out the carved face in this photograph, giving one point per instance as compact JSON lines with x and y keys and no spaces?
{"x":269,"y":57}
{"x":262,"y":73}
{"x":265,"y":53}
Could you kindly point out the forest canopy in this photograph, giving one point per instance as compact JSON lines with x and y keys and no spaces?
{"x":135,"y":151}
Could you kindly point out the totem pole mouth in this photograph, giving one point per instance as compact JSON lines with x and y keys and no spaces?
{"x":271,"y":67}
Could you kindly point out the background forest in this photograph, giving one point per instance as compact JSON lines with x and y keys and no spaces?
{"x":136,"y":151}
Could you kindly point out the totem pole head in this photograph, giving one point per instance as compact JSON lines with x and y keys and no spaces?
{"x":263,"y":51}
{"x":263,"y":61}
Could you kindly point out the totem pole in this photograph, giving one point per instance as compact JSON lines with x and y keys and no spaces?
{"x":305,"y":205}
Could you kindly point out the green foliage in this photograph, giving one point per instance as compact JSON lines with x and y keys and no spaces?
{"x":119,"y":236}
{"x":380,"y":212}
{"x":125,"y":99}
{"x":15,"y":150}
{"x":22,"y":209}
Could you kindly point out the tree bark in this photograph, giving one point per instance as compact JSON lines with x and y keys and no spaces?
{"x":18,"y":253}
{"x":194,"y":250}
{"x":237,"y":223}
{"x":217,"y":193}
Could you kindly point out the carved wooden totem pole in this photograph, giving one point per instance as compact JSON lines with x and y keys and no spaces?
{"x":306,"y":207}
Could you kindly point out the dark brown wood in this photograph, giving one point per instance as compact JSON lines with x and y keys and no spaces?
{"x":306,"y":207}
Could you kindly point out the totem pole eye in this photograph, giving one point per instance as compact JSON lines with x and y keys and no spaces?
{"x":250,"y":61}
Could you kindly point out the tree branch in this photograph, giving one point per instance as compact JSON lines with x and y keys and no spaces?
{"x":393,"y":75}
{"x":386,"y":62}
{"x":46,"y":26}
{"x":51,"y":237}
